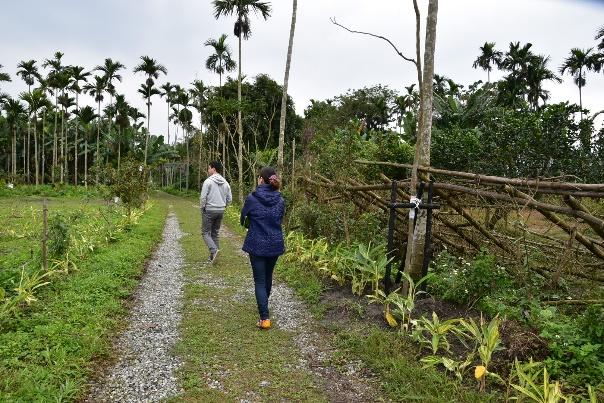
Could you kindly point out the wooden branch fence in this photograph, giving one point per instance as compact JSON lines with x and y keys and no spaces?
{"x":548,"y":225}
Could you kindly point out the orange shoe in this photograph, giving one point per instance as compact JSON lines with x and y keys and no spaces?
{"x":264,"y":324}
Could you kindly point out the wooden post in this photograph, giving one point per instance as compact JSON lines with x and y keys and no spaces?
{"x":391,"y":223}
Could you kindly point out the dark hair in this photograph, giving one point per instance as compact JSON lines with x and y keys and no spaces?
{"x":269,"y":175}
{"x":217,"y":165}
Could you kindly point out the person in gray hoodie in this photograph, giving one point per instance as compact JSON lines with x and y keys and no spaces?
{"x":215,"y":196}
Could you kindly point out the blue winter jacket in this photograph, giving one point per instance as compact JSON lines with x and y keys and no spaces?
{"x":264,"y":208}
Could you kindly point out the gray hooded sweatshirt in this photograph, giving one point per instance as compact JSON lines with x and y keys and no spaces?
{"x":215,"y":193}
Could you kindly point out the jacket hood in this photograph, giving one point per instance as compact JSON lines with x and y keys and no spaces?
{"x":267,"y":195}
{"x":218,"y":179}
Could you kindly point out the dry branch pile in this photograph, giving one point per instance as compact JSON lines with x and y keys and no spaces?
{"x":550,"y":225}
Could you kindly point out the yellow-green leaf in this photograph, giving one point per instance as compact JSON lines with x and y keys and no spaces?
{"x":479,"y":371}
{"x":390,"y":319}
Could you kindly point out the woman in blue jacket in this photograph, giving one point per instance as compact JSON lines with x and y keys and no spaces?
{"x":264,"y":209}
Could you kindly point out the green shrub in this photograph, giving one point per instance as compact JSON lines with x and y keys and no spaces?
{"x":130,"y":183}
{"x":575,"y":357}
{"x":58,"y":235}
{"x":334,"y":221}
{"x":465,"y":282}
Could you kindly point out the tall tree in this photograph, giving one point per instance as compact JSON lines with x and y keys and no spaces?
{"x":147,"y":90}
{"x":221,"y":60}
{"x":110,"y":72}
{"x":28,"y":71}
{"x":536,"y":74}
{"x":35,"y":100}
{"x":78,"y":75}
{"x":577,"y":64}
{"x":517,"y":58}
{"x":62,"y":81}
{"x":199,"y":92}
{"x":151,"y":68}
{"x":122,"y":121}
{"x":167,"y":90}
{"x":489,"y":57}
{"x":15,"y":112}
{"x":53,"y":85}
{"x":97,"y":89}
{"x":288,"y":60}
{"x":417,"y":236}
{"x":241,"y":9}
{"x":86,"y":116}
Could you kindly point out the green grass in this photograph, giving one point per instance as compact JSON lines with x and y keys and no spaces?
{"x":48,"y":351}
{"x":220,"y":341}
{"x":63,"y":191}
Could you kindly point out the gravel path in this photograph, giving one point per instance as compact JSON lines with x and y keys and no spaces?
{"x":145,"y":368}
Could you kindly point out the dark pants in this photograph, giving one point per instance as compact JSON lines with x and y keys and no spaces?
{"x":262,"y":268}
{"x":209,"y":228}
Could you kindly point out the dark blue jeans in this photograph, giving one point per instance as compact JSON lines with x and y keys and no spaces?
{"x":262,"y":268}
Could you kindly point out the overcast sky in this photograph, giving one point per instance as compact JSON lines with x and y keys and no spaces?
{"x":326,"y":62}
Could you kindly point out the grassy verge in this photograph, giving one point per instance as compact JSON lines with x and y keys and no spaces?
{"x":48,"y":352}
{"x":226,"y":357}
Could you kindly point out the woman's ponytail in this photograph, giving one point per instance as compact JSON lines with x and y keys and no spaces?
{"x":269,"y":176}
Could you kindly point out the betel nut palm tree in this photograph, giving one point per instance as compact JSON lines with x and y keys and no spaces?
{"x":167,"y":90}
{"x":285,"y":84}
{"x":78,"y":75}
{"x":576,"y":65}
{"x":152,"y":69}
{"x":96,"y":90}
{"x":221,"y":60}
{"x":489,"y":57}
{"x":28,"y":71}
{"x":110,"y":70}
{"x":241,"y":10}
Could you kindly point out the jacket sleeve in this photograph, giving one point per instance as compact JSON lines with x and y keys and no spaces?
{"x":203,"y":196}
{"x":229,"y":195}
{"x":245,"y":210}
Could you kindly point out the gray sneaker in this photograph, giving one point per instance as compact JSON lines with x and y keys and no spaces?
{"x":214,"y":255}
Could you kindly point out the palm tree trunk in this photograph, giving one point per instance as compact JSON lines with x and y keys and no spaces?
{"x":62,"y":145}
{"x":36,"y":163}
{"x":187,"y":175}
{"x":240,"y":131}
{"x":417,"y":235}
{"x":85,"y":161}
{"x":75,"y":152}
{"x":285,"y":83}
{"x":97,"y":159}
{"x":168,"y":142}
{"x":147,"y":135}
{"x":580,"y":98}
{"x":119,"y":148}
{"x":14,"y":153}
{"x":27,"y":149}
{"x":54,"y":143}
{"x":42,"y":146}
{"x":24,"y":153}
